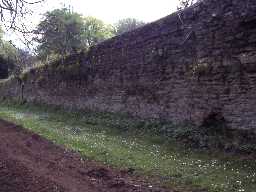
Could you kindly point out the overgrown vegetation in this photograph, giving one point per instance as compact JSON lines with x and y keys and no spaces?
{"x":9,"y":57}
{"x":127,"y":24}
{"x":148,"y":147}
{"x":63,"y":32}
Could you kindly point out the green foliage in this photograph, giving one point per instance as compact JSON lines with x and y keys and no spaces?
{"x":7,"y":50}
{"x":130,"y":143}
{"x":8,"y":57}
{"x":128,"y":24}
{"x":63,"y":33}
{"x":95,"y":31}
{"x":60,"y":33}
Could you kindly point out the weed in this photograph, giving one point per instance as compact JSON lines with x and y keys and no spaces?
{"x":148,"y":147}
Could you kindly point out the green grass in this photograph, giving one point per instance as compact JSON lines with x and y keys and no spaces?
{"x":124,"y":142}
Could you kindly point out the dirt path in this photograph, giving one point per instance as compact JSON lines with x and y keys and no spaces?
{"x":30,"y":163}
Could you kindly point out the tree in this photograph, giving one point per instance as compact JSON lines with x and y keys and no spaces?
{"x":11,"y":10}
{"x":127,"y":24}
{"x":25,"y":59}
{"x":60,"y":33}
{"x":63,"y":32}
{"x":8,"y":57}
{"x":95,"y":31}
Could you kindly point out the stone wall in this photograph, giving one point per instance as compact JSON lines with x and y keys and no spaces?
{"x":187,"y":67}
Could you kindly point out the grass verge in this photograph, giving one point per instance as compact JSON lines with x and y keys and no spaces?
{"x":125,"y":142}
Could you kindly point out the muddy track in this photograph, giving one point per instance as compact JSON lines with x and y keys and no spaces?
{"x":30,"y":163}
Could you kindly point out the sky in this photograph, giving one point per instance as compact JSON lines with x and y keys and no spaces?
{"x":109,"y":11}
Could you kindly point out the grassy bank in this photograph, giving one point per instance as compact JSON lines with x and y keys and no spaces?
{"x":125,"y":142}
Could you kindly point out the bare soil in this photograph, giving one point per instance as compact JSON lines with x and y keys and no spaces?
{"x":30,"y":163}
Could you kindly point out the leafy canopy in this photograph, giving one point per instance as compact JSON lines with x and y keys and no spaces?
{"x":95,"y":31}
{"x":8,"y":56}
{"x":60,"y":32}
{"x":63,"y":32}
{"x":128,"y":24}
